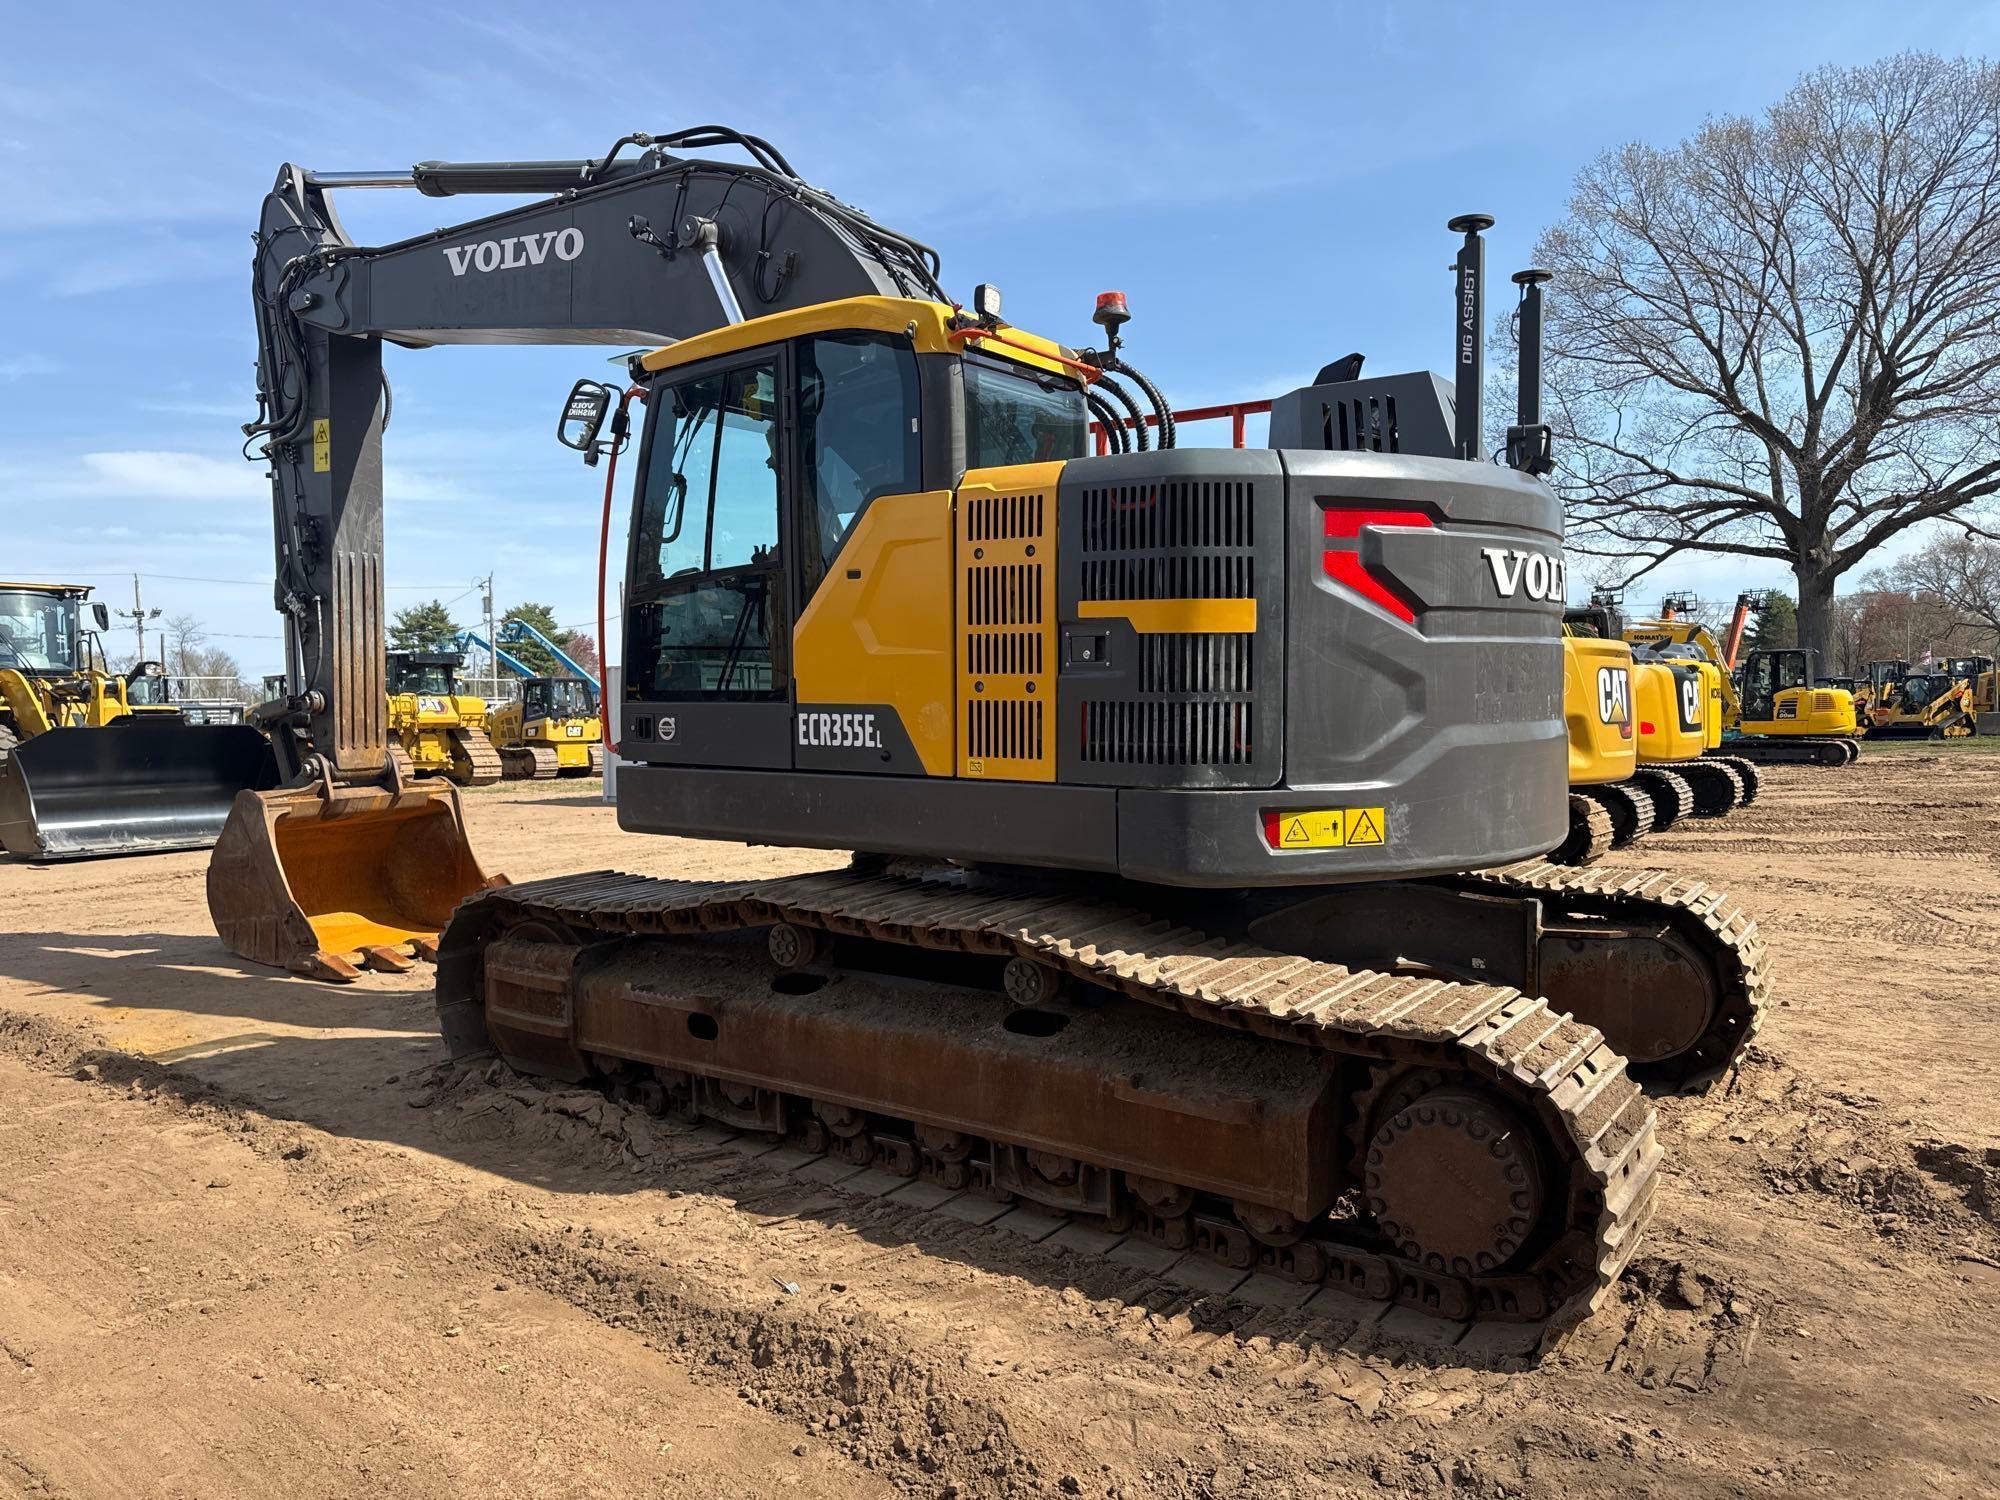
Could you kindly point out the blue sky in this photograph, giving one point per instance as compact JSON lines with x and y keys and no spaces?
{"x":1268,"y":184}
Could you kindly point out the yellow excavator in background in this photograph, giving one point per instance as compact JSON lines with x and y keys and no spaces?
{"x":1777,"y":716}
{"x":441,"y":730}
{"x":1676,"y":720}
{"x":99,"y":762}
{"x":1607,"y":809}
{"x":1197,"y":795}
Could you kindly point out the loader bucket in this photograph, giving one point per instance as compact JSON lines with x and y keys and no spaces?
{"x":326,"y":883}
{"x":138,"y":786}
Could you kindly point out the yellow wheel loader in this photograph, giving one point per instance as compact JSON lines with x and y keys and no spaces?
{"x":94,"y":762}
{"x":1196,"y":797}
{"x":440,"y":730}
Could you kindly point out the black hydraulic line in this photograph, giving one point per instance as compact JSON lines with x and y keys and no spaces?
{"x":1140,"y":440}
{"x":1107,"y":419}
{"x":1161,"y":410}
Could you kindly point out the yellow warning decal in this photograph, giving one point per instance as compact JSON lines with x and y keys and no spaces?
{"x":322,"y":445}
{"x":1326,"y":828}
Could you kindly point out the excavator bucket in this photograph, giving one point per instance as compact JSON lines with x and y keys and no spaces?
{"x":132,"y":787}
{"x":329,"y":882}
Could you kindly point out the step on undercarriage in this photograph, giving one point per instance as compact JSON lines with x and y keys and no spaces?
{"x":1451,"y":1144}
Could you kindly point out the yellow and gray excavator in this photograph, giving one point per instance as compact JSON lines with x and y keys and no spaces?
{"x":99,"y":762}
{"x":1777,"y":715}
{"x":1197,"y":795}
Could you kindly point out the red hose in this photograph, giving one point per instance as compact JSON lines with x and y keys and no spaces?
{"x":606,"y":715}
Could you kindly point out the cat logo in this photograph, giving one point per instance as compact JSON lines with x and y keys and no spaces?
{"x":1614,"y":695}
{"x":1691,"y":701}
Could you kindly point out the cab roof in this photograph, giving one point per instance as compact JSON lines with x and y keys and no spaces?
{"x":929,"y":326}
{"x":77,"y":589}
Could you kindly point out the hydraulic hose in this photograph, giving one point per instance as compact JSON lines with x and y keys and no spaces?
{"x":1114,"y":429}
{"x":1161,"y":411}
{"x":1140,"y":441}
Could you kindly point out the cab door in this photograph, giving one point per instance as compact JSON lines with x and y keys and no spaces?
{"x":710,"y":601}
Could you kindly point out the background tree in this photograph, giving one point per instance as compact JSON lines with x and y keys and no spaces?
{"x":1780,"y":339}
{"x":423,"y":627}
{"x":542,"y":618}
{"x":1962,"y":573}
{"x":1777,"y":624}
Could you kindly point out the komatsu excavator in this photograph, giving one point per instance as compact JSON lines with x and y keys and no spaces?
{"x":1198,"y":794}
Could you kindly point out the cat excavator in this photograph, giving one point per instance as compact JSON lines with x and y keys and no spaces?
{"x":1197,"y":795}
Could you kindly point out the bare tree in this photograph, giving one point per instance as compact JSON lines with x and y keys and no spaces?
{"x":1781,"y":338}
{"x":1962,"y":573}
{"x":181,"y":637}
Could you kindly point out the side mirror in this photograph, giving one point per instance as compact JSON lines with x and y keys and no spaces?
{"x":102,"y":614}
{"x":583,"y":416}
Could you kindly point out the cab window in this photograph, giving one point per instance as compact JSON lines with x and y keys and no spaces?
{"x":707,"y":586}
{"x":858,"y":437}
{"x":1016,"y":416}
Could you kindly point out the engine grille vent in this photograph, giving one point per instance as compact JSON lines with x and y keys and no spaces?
{"x":1006,"y":613}
{"x":1190,"y":539}
{"x":1195,"y":663}
{"x":1158,"y":732}
{"x":1196,"y":706}
{"x":1361,"y":424}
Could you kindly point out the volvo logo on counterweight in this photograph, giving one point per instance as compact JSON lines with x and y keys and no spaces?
{"x":515,"y":251}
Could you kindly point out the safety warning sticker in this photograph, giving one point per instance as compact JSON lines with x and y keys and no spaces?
{"x":1326,"y":827}
{"x":322,"y":445}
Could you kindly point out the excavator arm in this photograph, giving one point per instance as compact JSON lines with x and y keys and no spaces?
{"x":351,"y":861}
{"x":643,"y":250}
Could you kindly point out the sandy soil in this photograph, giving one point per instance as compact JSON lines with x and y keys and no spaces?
{"x":254,"y":1242}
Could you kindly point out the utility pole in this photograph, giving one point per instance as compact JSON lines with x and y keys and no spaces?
{"x":492,"y":646}
{"x":138,"y":614}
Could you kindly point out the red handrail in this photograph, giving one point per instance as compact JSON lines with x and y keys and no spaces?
{"x":1236,"y":411}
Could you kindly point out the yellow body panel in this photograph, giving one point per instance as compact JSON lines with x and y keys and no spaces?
{"x":886,"y":636}
{"x":928,"y":325}
{"x":1670,"y":727}
{"x":81,"y":700}
{"x":1006,"y":614}
{"x":422,"y":723}
{"x":1177,"y":616}
{"x":1597,"y":710}
{"x":1805,"y":710}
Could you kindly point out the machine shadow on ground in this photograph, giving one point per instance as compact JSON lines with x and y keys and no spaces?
{"x":387,"y":1088}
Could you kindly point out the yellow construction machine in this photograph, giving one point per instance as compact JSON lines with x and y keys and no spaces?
{"x":1677,"y":707}
{"x":1197,"y":795}
{"x":440,"y":730}
{"x":1952,"y":700}
{"x":1776,"y":715}
{"x":551,"y":729}
{"x":1607,"y":809}
{"x":99,"y":762}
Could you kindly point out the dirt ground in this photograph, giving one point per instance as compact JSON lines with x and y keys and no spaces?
{"x":254,"y":1241}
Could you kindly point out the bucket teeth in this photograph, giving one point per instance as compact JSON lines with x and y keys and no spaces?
{"x":319,"y":964}
{"x":386,"y":960}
